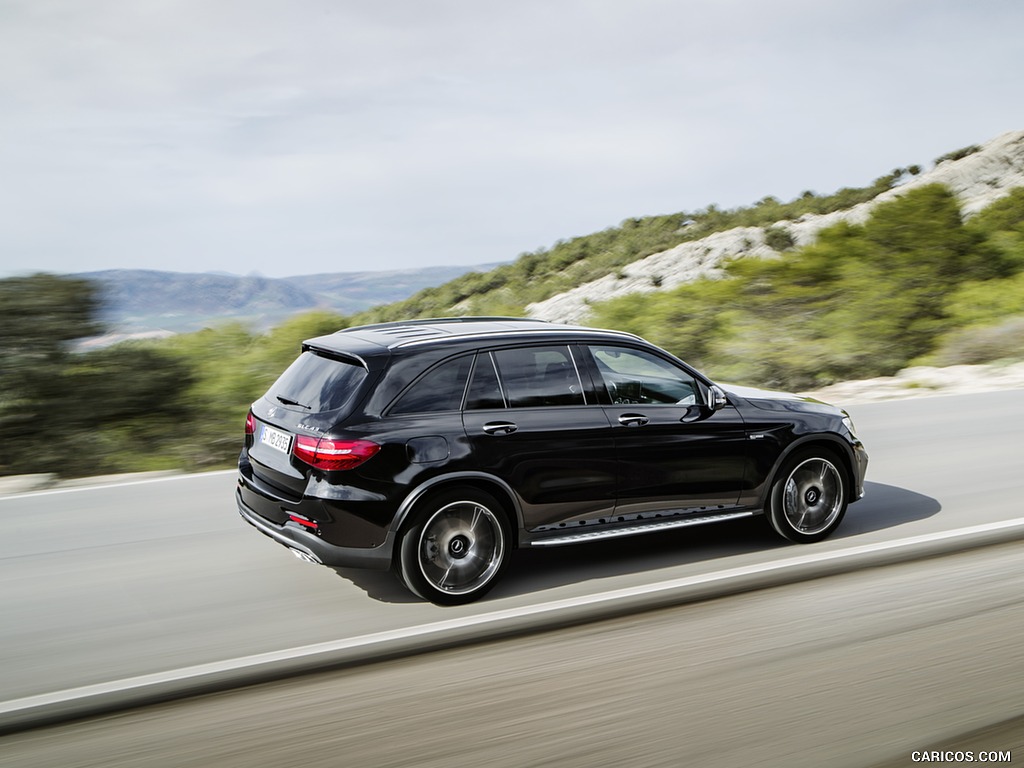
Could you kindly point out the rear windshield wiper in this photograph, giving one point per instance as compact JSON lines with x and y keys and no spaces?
{"x":289,"y":401}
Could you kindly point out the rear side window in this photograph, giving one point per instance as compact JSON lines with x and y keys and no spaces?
{"x":439,"y":389}
{"x":315,"y":383}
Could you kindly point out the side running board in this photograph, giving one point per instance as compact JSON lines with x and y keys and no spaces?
{"x":633,"y":530}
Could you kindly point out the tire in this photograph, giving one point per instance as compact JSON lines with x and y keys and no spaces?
{"x":455,"y":547}
{"x":808,"y":497}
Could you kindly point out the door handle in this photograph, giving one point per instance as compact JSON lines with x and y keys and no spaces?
{"x":633,"y":419}
{"x":500,"y":428}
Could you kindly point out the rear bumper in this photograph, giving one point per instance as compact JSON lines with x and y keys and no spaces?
{"x":313,"y":547}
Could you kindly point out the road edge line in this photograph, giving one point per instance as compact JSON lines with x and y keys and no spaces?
{"x":127,"y":483}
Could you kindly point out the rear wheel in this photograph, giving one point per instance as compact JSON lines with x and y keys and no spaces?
{"x":455,"y":547}
{"x":808,"y":498}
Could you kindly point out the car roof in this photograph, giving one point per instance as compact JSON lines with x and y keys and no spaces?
{"x":437,"y":331}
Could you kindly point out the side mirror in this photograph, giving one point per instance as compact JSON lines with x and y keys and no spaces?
{"x":716,"y":401}
{"x":716,"y":398}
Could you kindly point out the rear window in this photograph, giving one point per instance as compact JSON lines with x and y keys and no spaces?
{"x":316,"y":384}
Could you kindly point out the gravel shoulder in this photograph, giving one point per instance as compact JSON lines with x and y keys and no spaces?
{"x":926,"y":382}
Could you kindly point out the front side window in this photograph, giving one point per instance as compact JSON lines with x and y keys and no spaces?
{"x":534,"y":377}
{"x":634,"y":376}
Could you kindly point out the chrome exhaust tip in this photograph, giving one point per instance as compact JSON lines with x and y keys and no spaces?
{"x":304,"y":556}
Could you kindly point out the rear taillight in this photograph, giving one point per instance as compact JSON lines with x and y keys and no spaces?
{"x":250,"y":424}
{"x":328,"y":455}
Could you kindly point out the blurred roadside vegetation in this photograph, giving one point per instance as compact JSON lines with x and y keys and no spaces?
{"x":172,"y":403}
{"x":913,"y":284}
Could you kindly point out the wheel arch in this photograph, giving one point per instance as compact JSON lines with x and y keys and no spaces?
{"x":495,"y":486}
{"x":838,"y":448}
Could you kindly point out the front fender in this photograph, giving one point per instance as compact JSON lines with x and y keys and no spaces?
{"x":852,"y":457}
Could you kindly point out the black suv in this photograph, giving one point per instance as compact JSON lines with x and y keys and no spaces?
{"x":436,"y":447}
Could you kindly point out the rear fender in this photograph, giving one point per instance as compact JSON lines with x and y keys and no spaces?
{"x":502,"y":491}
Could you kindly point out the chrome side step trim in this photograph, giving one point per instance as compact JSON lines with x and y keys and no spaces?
{"x":633,"y":530}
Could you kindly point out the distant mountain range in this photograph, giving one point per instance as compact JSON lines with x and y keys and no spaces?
{"x":144,"y":303}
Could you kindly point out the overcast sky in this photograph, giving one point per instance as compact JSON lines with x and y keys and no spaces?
{"x":298,"y":136}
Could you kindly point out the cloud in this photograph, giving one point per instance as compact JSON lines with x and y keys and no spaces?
{"x":286,"y":137}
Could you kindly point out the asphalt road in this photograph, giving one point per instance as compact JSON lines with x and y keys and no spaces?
{"x":854,"y":670}
{"x":110,"y":582}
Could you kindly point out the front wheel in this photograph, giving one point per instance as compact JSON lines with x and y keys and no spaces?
{"x":808,"y":498}
{"x":455,"y":547}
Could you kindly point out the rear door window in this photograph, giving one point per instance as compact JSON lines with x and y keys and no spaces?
{"x":534,"y":377}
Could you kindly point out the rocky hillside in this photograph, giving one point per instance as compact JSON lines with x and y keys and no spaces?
{"x":977,"y":179}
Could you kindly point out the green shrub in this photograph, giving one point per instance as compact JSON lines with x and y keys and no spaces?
{"x":958,"y":154}
{"x":778,"y":238}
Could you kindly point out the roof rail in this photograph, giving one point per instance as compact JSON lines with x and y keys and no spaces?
{"x":513,"y":332}
{"x":433,"y":320}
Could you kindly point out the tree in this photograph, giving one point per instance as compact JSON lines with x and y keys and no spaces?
{"x":41,"y":315}
{"x":75,"y":412}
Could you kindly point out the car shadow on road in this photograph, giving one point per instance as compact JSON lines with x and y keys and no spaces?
{"x":382,"y":586}
{"x":884,"y":506}
{"x":534,"y":570}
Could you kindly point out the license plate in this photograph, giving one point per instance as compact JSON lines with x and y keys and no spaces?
{"x":275,"y":438}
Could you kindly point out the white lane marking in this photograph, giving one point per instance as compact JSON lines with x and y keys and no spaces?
{"x":124,"y":484}
{"x":494,"y":617}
